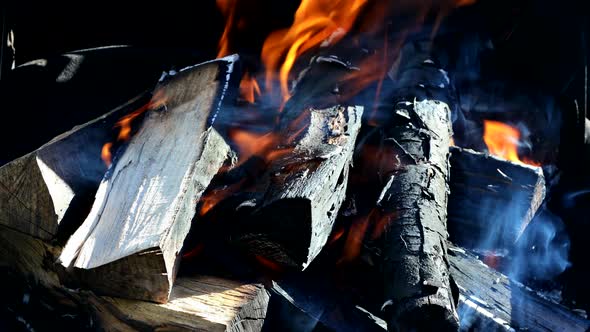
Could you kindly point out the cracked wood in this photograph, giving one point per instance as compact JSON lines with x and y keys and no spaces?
{"x":130,"y":242}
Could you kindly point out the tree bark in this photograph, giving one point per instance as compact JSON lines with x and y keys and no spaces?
{"x":414,"y":200}
{"x":302,"y":191}
{"x":130,"y":242}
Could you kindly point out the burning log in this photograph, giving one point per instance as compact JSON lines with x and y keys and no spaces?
{"x":130,"y":242}
{"x":492,"y":200}
{"x":302,"y":166}
{"x":414,"y":199}
{"x":491,"y":301}
{"x":310,"y":183}
{"x":196,"y":303}
{"x":38,"y":190}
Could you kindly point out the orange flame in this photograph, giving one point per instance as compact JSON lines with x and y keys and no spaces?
{"x":267,"y":146}
{"x":249,"y":88}
{"x":193,"y":252}
{"x":228,"y":9}
{"x":157,"y":100}
{"x":106,"y":155}
{"x":267,"y":263}
{"x":317,"y":22}
{"x":502,"y":141}
{"x":212,"y":198}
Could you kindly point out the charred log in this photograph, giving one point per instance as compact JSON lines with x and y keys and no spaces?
{"x":310,"y":183}
{"x":414,"y":200}
{"x":492,"y":200}
{"x":130,"y":242}
{"x":491,"y":301}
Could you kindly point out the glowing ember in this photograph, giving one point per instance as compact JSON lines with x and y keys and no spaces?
{"x":503,"y":140}
{"x":212,"y":198}
{"x":267,"y":263}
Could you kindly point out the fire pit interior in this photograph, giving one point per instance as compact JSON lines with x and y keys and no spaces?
{"x":313,"y":165}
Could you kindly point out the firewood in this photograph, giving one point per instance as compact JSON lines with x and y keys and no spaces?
{"x":195,"y":304}
{"x":414,"y":200}
{"x":300,"y":193}
{"x":308,"y":303}
{"x":492,"y":200}
{"x":38,"y":190}
{"x":491,"y":301}
{"x":201,"y":303}
{"x":130,"y":242}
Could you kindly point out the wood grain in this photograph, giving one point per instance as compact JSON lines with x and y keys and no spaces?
{"x":38,"y":190}
{"x":145,"y":203}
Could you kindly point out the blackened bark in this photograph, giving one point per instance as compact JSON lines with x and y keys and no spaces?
{"x":414,"y":199}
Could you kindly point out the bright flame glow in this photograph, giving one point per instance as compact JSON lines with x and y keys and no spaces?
{"x":106,"y":154}
{"x":228,"y":9}
{"x":249,"y":88}
{"x":502,"y":141}
{"x":317,"y":22}
{"x":158,"y":100}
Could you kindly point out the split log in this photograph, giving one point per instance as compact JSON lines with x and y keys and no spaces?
{"x":310,"y":304}
{"x":38,"y":190}
{"x":418,"y":293}
{"x":130,"y":242}
{"x":197,"y":303}
{"x":303,"y":168}
{"x":492,"y":200}
{"x":300,"y":193}
{"x":490,"y":301}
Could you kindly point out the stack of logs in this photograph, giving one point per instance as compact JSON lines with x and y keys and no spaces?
{"x":106,"y":242}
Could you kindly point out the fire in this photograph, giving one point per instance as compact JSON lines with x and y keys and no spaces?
{"x":317,"y":22}
{"x":157,"y":100}
{"x":228,"y":9}
{"x":212,"y":198}
{"x":106,"y":155}
{"x":249,"y":88}
{"x":502,"y":141}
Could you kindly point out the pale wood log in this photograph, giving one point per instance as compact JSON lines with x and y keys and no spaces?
{"x":38,"y":190}
{"x":130,"y":242}
{"x":492,"y":200}
{"x":197,"y":303}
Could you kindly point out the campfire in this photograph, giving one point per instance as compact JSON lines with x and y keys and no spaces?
{"x":347,"y":171}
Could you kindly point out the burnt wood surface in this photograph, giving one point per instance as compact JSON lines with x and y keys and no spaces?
{"x":130,"y":242}
{"x":491,"y":301}
{"x":303,"y":190}
{"x":283,"y":201}
{"x":492,"y":200}
{"x":414,"y":198}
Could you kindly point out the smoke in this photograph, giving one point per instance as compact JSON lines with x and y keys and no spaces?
{"x":541,"y":253}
